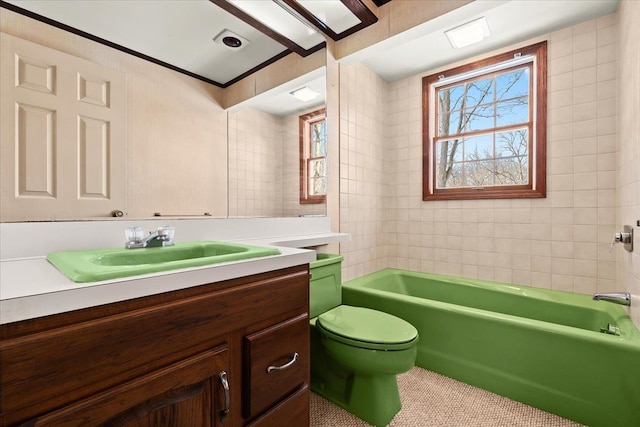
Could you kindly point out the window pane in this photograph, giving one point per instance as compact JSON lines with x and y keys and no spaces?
{"x":512,"y":171}
{"x":479,"y":118}
{"x":317,"y":186}
{"x":479,"y":92}
{"x":512,"y":112}
{"x":449,"y":149}
{"x":478,"y":147}
{"x":512,"y":164}
{"x":319,"y":148}
{"x":449,"y":176}
{"x":317,"y":177}
{"x":479,"y":174}
{"x":318,"y":139}
{"x":318,"y":168}
{"x":512,"y":143}
{"x":450,"y":98}
{"x":450,"y":123}
{"x":513,"y":84}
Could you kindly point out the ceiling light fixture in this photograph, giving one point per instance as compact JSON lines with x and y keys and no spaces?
{"x":279,"y":17}
{"x":305,"y":94}
{"x":469,"y":33}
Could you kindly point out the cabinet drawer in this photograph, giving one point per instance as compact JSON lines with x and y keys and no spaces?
{"x":276,"y":361}
{"x":293,"y":411}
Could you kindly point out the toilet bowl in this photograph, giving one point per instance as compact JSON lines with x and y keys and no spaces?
{"x":356,"y":352}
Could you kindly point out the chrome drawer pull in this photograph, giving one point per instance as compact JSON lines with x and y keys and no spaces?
{"x":225,"y":385}
{"x":271,"y":369}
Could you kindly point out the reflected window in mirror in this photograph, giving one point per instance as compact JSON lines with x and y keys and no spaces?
{"x":313,"y":157}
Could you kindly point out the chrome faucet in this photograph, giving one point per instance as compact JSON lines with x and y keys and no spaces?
{"x":623,"y":298}
{"x":163,"y":236}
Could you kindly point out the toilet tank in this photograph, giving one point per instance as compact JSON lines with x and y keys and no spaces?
{"x":325,"y":287}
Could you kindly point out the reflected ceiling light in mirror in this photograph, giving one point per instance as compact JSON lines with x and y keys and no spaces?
{"x":467,"y":34}
{"x":305,"y":94}
{"x":282,"y":20}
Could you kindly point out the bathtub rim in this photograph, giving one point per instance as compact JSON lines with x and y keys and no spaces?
{"x":630,"y":336}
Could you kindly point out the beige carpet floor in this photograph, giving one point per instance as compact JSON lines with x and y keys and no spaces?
{"x":433,"y":400}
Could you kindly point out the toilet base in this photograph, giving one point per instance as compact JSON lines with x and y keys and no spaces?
{"x":372,"y":398}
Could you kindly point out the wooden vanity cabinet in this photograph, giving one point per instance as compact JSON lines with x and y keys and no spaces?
{"x":188,"y":358}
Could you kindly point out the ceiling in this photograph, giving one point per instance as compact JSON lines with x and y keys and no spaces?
{"x":425,"y":47}
{"x":180,"y":34}
{"x":189,"y":35}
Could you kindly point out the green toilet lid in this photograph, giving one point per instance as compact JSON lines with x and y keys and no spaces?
{"x":363,"y":327}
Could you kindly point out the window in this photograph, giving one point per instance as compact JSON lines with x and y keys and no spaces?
{"x":313,"y":157}
{"x":484,"y":127}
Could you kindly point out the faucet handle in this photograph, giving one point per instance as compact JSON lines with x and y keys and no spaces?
{"x":134,"y":233}
{"x":166,"y":233}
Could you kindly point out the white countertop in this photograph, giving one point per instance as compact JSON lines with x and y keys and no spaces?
{"x":32,"y":287}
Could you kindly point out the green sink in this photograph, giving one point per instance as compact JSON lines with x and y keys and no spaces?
{"x":103,"y":264}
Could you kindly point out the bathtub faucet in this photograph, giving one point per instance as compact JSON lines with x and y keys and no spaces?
{"x":623,"y":298}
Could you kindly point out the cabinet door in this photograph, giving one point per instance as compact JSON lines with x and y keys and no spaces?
{"x":190,"y":393}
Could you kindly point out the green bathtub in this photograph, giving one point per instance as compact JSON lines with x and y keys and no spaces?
{"x":558,"y":351}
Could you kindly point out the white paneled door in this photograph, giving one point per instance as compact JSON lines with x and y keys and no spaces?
{"x":63,"y":135}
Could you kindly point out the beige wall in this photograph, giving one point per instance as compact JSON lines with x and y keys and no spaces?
{"x":561,"y":242}
{"x":628,"y":158}
{"x":176,"y":128}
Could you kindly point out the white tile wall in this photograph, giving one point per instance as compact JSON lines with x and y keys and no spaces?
{"x":561,"y":242}
{"x":255,"y":163}
{"x":264,"y":165}
{"x":628,"y":156}
{"x":365,"y":208}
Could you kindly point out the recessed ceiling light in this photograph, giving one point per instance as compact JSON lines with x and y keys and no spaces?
{"x":231,"y":40}
{"x":305,"y":94}
{"x":469,"y":33}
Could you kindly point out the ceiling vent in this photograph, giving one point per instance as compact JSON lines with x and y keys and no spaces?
{"x":231,"y":40}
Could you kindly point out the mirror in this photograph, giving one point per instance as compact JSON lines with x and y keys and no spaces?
{"x":264,"y":151}
{"x":176,"y":134}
